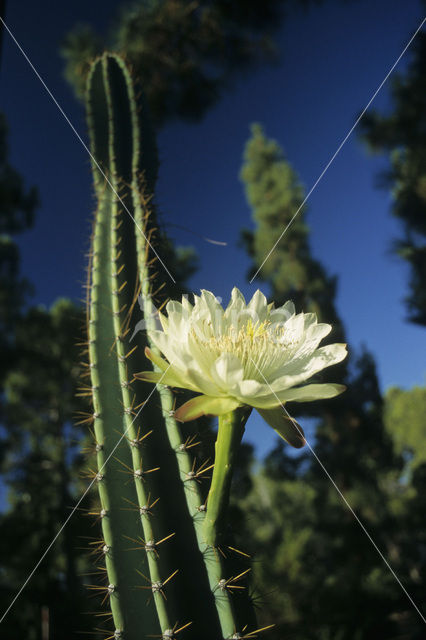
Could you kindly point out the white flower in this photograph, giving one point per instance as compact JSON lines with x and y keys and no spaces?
{"x":245,"y":355}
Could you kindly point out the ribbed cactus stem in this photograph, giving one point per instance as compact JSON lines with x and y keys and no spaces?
{"x":149,"y":468}
{"x":122,"y":299}
{"x":111,"y":444}
{"x":213,"y":559}
{"x":100,"y":410}
{"x":135,"y":438}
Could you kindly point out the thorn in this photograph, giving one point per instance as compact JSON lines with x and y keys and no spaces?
{"x":157,"y":291}
{"x":246,"y":555}
{"x":144,"y":509}
{"x":114,"y":274}
{"x":149,"y":545}
{"x":109,"y":590}
{"x":138,"y":474}
{"x":196,"y":475}
{"x":226,"y":585}
{"x":136,"y":442}
{"x":189,"y":442}
{"x":122,"y":286}
{"x":158,"y":586}
{"x":170,"y":634}
{"x":252,"y":634}
{"x":130,"y":353}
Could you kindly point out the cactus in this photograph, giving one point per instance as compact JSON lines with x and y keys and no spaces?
{"x":164,"y":577}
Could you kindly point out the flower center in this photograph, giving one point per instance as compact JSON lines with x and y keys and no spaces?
{"x":261,"y":347}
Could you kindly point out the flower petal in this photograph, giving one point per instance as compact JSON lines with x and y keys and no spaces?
{"x":235,"y":306}
{"x":282,"y":314}
{"x":298,"y":370}
{"x":311,"y":392}
{"x":214,"y":308}
{"x":174,"y":351}
{"x":227,"y":371}
{"x":160,"y":377}
{"x":258,"y":306}
{"x":203,"y":384}
{"x":164,"y":321}
{"x":205,"y":406}
{"x":285,"y":426}
{"x":156,"y":359}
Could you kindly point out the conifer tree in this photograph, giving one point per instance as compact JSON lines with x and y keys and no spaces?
{"x":39,"y":451}
{"x":325,"y":571}
{"x":186,"y":54}
{"x":42,"y":469}
{"x":17,"y":205}
{"x":400,"y":134}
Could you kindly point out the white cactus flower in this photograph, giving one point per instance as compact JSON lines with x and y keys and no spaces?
{"x":245,"y":355}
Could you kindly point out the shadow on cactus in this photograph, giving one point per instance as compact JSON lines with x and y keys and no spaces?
{"x":169,"y":567}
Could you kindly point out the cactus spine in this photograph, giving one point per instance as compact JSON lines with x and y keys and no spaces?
{"x":148,"y":490}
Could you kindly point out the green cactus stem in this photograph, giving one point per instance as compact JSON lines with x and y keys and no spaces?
{"x":125,"y":602}
{"x":162,"y":573}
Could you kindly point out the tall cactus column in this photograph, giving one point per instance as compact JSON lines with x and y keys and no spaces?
{"x":126,"y":603}
{"x":163,"y":578}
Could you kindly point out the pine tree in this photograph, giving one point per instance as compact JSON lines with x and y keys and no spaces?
{"x":404,"y":414}
{"x":186,"y":54}
{"x":42,"y":473}
{"x":38,"y":463}
{"x":17,"y":205}
{"x":400,"y":134}
{"x":325,"y":570}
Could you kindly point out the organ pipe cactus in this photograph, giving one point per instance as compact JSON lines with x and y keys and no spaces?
{"x":163,"y":577}
{"x":169,"y":566}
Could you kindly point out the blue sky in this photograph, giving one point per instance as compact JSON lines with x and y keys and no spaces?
{"x":333,"y":58}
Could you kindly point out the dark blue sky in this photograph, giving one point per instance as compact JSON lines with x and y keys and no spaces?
{"x":333,"y":58}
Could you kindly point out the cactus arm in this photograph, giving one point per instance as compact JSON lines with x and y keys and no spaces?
{"x":100,"y":405}
{"x":135,"y":439}
{"x":143,"y":161}
{"x":213,"y":561}
{"x":122,"y":299}
{"x":124,"y":601}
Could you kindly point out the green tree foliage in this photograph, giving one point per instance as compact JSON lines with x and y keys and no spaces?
{"x":405,"y":420}
{"x":404,"y":414}
{"x":39,"y":459}
{"x":17,"y":205}
{"x":401,"y":135}
{"x":275,"y":193}
{"x":321,"y":574}
{"x":185,"y":54}
{"x":41,"y":469}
